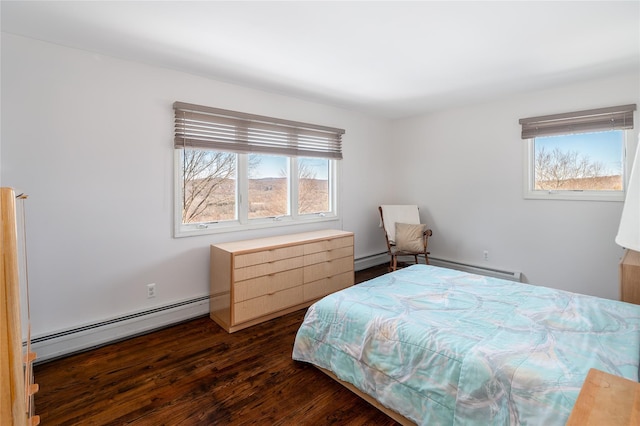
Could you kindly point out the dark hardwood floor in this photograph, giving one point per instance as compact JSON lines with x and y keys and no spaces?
{"x":195,"y":373}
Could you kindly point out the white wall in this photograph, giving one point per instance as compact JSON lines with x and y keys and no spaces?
{"x":89,"y":139}
{"x":465,"y":169}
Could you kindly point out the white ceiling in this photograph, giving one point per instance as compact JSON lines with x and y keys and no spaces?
{"x":391,"y":59}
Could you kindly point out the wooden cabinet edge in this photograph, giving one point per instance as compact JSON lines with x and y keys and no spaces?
{"x":606,"y":399}
{"x":629,"y":271}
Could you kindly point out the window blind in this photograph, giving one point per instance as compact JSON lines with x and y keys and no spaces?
{"x":593,"y":120}
{"x":219,"y":129}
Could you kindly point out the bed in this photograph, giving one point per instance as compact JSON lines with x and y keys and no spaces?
{"x":435,"y":346}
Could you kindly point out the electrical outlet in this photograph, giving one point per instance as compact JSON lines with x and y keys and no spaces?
{"x":486,"y":254}
{"x":151,"y":290}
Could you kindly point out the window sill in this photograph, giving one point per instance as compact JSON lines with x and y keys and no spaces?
{"x":574,"y":195}
{"x":218,"y":228}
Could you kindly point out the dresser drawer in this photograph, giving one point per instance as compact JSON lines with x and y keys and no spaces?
{"x":324,"y":286}
{"x":328,"y":269}
{"x":241,"y":274}
{"x":269,"y":303}
{"x":267,"y":256}
{"x":327,"y":245}
{"x":325,"y":256}
{"x":267,"y":284}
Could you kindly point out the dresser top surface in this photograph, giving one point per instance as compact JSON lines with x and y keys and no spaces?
{"x":606,"y":399}
{"x":282,"y":240}
{"x":631,"y":257}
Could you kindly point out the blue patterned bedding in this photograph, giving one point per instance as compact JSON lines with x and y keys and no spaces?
{"x":447,"y":347}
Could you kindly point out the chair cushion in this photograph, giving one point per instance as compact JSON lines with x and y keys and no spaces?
{"x":409,"y":237}
{"x":393,"y":214}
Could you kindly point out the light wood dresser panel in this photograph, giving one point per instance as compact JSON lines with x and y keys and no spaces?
{"x":606,"y":400}
{"x":253,"y":281}
{"x":630,"y":277}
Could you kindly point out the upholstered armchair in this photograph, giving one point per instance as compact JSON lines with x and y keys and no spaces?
{"x":404,"y":233}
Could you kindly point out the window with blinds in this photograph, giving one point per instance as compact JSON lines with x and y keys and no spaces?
{"x":236,"y":170}
{"x":578,"y":155}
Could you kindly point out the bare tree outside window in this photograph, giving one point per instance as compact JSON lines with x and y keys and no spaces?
{"x":209,"y":186}
{"x":559,"y":169}
{"x":313,"y":193}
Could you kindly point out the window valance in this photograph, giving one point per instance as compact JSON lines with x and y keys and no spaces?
{"x":219,"y":129}
{"x":593,"y":120}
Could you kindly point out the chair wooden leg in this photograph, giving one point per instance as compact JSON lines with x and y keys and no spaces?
{"x":394,"y":265}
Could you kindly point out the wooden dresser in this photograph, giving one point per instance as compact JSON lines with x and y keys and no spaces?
{"x":608,"y":400}
{"x":630,"y":277}
{"x":257,"y":280}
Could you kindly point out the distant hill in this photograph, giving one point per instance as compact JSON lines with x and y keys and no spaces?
{"x":602,"y":183}
{"x":267,"y":197}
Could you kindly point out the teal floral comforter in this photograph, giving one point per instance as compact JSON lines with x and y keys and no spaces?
{"x":446,"y":347}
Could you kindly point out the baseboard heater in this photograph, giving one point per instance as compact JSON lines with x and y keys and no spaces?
{"x":381,"y":258}
{"x":90,"y":336}
{"x":370,"y":261}
{"x":476,"y":269}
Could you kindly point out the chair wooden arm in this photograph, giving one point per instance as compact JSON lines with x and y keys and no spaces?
{"x":425,"y":237}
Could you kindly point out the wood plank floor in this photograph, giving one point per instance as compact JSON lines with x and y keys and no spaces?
{"x":195,"y":373}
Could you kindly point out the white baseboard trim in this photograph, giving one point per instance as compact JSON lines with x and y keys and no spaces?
{"x":78,"y":339}
{"x":371,"y":261}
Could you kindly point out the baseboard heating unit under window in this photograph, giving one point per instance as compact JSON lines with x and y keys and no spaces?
{"x":475,"y":269}
{"x":89,"y":336}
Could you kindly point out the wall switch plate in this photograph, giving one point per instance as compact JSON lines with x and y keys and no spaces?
{"x":151,"y":290}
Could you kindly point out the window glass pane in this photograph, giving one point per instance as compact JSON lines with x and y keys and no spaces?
{"x":268,"y":186}
{"x":579,"y":162}
{"x":313,"y":185}
{"x":209,"y":186}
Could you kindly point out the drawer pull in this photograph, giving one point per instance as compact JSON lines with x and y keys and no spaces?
{"x":271,"y":294}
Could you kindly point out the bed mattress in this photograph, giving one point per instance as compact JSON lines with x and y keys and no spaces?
{"x":441,"y":346}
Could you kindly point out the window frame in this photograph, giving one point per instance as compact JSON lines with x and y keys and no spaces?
{"x":586,"y":121}
{"x":243,"y":223}
{"x":575,"y":195}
